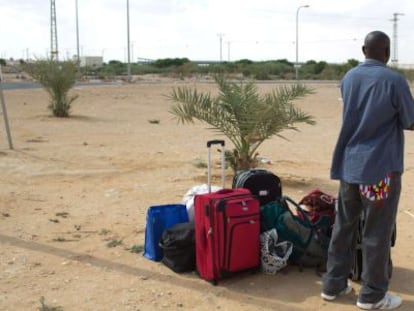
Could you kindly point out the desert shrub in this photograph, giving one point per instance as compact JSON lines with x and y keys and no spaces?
{"x":261,"y":73}
{"x":57,"y":78}
{"x":185,"y":70}
{"x":45,"y":307}
{"x":170,"y":62}
{"x":409,"y":74}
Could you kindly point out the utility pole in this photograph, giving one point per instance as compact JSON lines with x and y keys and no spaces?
{"x":128,"y":45}
{"x":77,"y":36}
{"x":221,"y":35}
{"x":53,"y":32}
{"x":228,"y":50}
{"x":394,"y":59}
{"x":6,"y":120}
{"x":297,"y":41}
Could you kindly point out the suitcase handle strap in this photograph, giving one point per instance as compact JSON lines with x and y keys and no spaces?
{"x":223,"y":164}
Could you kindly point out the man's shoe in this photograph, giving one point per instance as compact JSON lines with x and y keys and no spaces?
{"x":389,"y":302}
{"x":345,"y":291}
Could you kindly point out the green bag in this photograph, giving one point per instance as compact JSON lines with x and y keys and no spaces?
{"x":269,"y":214}
{"x":310,"y":241}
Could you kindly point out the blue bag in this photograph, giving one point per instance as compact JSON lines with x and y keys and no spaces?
{"x":159,"y":218}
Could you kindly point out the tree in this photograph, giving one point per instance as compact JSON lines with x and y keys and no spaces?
{"x":244,"y":116}
{"x":57,"y":78}
{"x":170,"y":62}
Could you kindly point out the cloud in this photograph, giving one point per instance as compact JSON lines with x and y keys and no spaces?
{"x":258,"y":30}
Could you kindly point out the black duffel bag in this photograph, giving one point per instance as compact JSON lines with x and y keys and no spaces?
{"x":178,"y":245}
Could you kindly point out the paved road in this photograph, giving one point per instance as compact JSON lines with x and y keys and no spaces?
{"x":33,"y":85}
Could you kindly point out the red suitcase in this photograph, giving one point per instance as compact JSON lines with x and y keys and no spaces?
{"x":227,"y":229}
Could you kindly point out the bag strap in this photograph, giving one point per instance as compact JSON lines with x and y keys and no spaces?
{"x":298,"y":209}
{"x":305,"y":221}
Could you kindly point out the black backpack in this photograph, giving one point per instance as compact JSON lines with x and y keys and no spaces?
{"x":263,"y":184}
{"x":178,"y":245}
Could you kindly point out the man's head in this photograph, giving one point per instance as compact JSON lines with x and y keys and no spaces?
{"x":377,"y":46}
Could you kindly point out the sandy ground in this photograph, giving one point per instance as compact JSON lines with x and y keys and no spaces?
{"x":72,"y":187}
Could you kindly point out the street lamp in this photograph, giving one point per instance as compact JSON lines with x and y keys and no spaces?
{"x":77,"y":35}
{"x":297,"y":39}
{"x":128,"y":45}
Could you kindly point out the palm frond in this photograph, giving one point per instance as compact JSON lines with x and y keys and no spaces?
{"x":241,"y":114}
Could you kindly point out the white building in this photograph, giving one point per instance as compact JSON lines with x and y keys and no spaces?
{"x":91,"y":61}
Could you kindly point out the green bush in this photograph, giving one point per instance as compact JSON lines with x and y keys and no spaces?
{"x":57,"y":78}
{"x":170,"y":62}
{"x":261,"y":73}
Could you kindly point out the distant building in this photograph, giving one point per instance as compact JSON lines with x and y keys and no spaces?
{"x":91,"y":61}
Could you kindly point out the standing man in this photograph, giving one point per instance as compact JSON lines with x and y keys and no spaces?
{"x":368,"y":162}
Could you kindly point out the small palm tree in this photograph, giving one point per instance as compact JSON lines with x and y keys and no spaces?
{"x":245,"y":117}
{"x":57,"y":78}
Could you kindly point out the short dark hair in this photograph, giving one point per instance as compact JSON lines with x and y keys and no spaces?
{"x":377,"y":45}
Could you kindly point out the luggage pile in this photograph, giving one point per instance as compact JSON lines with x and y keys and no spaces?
{"x":253,"y":226}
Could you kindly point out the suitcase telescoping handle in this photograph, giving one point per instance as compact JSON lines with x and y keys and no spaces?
{"x":223,"y":164}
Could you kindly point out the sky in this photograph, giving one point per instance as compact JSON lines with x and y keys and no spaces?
{"x":227,"y":30}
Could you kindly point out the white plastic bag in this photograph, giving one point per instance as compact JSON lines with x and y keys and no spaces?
{"x":274,"y":256}
{"x":188,"y":198}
